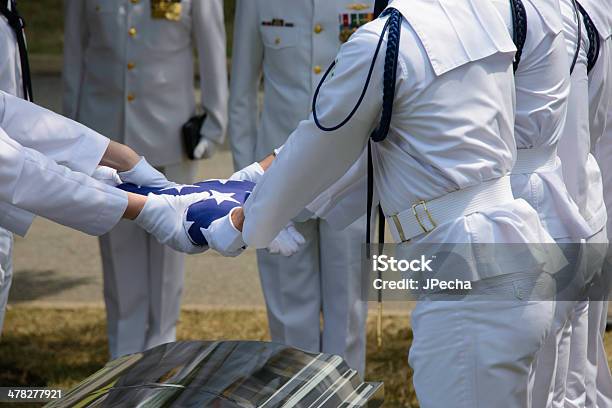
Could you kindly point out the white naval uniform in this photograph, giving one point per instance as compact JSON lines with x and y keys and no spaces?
{"x":584,"y":181}
{"x":46,"y":162}
{"x":10,"y":81}
{"x":598,"y":379}
{"x":600,"y":13}
{"x":452,"y":128}
{"x":33,"y":182}
{"x":542,"y":90}
{"x":292,"y":44}
{"x":130,"y":76}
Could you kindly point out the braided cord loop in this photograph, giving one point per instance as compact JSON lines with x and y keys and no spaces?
{"x":519,"y":35}
{"x":594,"y":41}
{"x":579,"y":38}
{"x":390,"y":74}
{"x":393,"y":25}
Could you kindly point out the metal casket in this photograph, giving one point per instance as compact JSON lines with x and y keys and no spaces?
{"x":225,"y":374}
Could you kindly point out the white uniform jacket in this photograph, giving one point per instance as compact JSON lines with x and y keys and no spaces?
{"x":580,"y":169}
{"x":10,"y":63}
{"x":130,"y":76}
{"x":444,"y":135}
{"x":542,"y":90}
{"x":600,"y":96}
{"x":292,"y":46}
{"x":54,"y":141}
{"x":35,"y":183}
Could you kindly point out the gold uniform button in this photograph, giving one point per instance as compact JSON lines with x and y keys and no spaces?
{"x":135,"y":1}
{"x":317,"y":69}
{"x":131,"y":66}
{"x":130,"y":97}
{"x":277,"y":40}
{"x":318,"y":28}
{"x":132,"y":32}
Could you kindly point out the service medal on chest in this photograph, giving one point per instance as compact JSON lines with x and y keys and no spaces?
{"x":350,"y":22}
{"x":166,"y":9}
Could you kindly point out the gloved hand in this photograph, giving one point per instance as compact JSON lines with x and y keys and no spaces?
{"x":205,"y":149}
{"x":223,"y":237}
{"x":183,"y":222}
{"x":106,"y":175}
{"x":253,"y":172}
{"x":207,"y":219}
{"x":287,"y":242}
{"x":143,"y":174}
{"x":278,"y":149}
{"x":165,"y":217}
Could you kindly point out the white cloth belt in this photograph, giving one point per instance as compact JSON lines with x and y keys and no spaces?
{"x":424,"y":216}
{"x":538,"y":159}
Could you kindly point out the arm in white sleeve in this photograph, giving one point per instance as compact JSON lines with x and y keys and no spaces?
{"x":313,"y":159}
{"x":600,"y":88}
{"x":15,"y":219}
{"x":344,"y":201}
{"x":247,"y":57}
{"x":209,"y":33}
{"x":75,"y":39}
{"x":37,"y":184}
{"x":10,"y":77}
{"x":62,"y":140}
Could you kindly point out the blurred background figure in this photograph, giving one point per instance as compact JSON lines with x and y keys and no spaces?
{"x":129,"y":74}
{"x":293,"y":43}
{"x":14,"y":79}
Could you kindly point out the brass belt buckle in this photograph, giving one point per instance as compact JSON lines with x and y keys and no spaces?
{"x":418,"y":217}
{"x":398,"y":227}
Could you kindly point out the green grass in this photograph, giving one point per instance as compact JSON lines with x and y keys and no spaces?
{"x":59,"y":348}
{"x":45,"y":24}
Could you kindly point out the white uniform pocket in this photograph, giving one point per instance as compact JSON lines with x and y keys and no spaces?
{"x":279,"y":37}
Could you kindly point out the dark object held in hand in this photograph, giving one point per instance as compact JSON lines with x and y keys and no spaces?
{"x":192,"y":135}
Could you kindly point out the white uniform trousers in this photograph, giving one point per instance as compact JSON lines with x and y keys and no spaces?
{"x":470,"y":353}
{"x":6,"y":271}
{"x":586,"y":350}
{"x":322,"y":279}
{"x":551,"y":368}
{"x":143,"y":282}
{"x":598,"y":381}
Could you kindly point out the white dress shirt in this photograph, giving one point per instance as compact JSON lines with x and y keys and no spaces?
{"x":542,"y":90}
{"x":580,"y":169}
{"x":600,"y":96}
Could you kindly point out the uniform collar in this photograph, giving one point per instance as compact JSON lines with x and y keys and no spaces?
{"x":454,"y":39}
{"x":600,"y":11}
{"x":550,"y":13}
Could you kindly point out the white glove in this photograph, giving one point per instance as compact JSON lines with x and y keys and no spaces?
{"x":106,"y":175}
{"x":163,"y":216}
{"x":143,"y":174}
{"x":205,"y":149}
{"x":278,"y":150}
{"x":253,"y":172}
{"x":287,"y":242}
{"x":224,"y":237}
